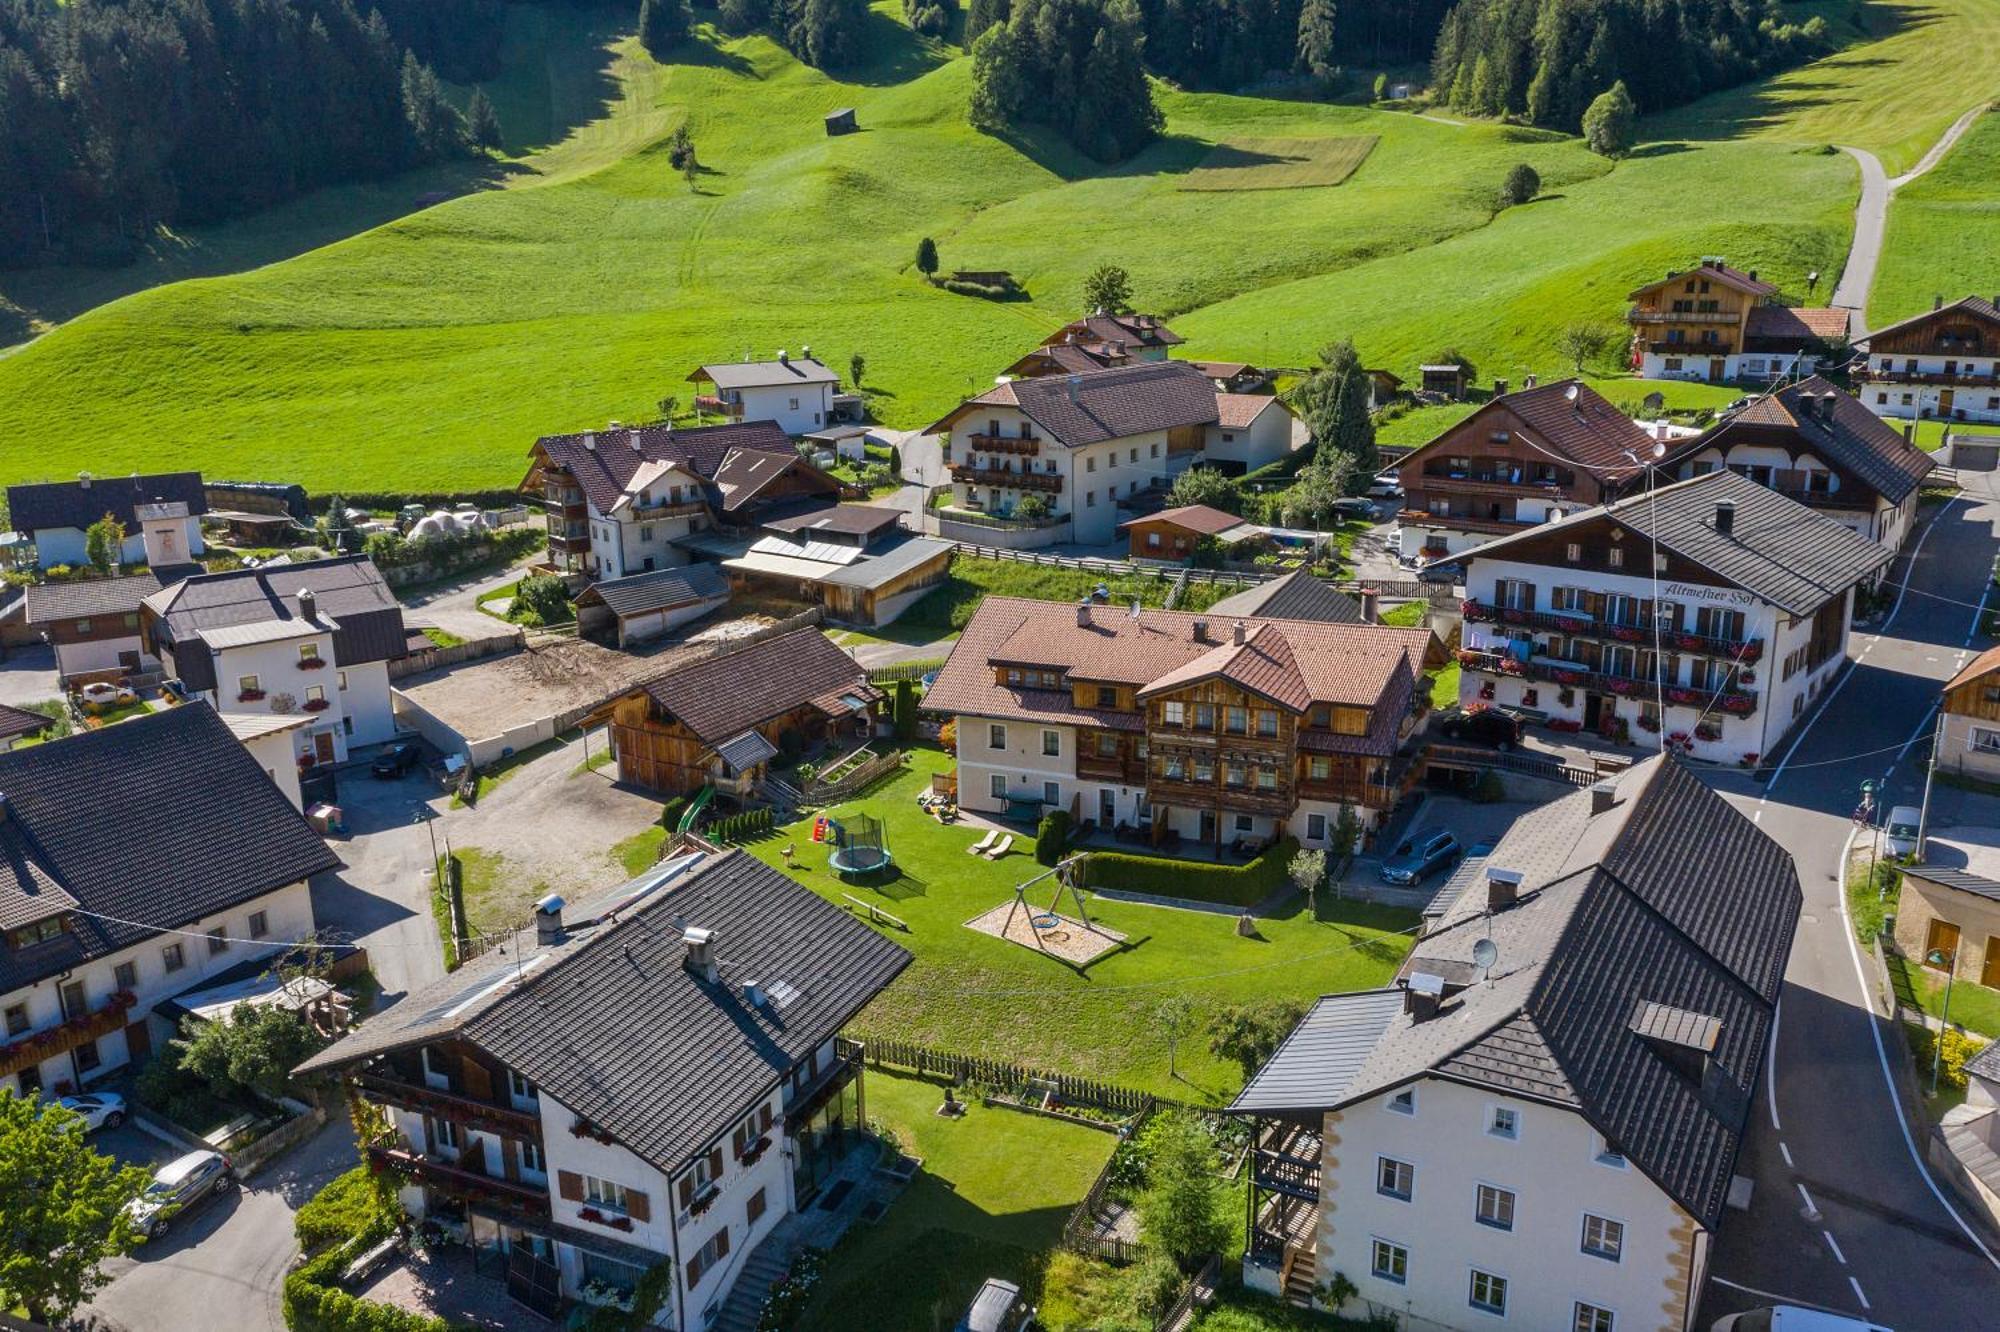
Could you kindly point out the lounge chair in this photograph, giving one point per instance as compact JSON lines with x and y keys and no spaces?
{"x":980,"y":847}
{"x":1000,"y":848}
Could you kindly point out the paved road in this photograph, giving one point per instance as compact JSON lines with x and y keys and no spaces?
{"x":28,"y":675}
{"x":452,"y":605}
{"x":381,"y":896}
{"x":225,"y":1265}
{"x":1871,"y":214}
{"x":1842,"y":1216}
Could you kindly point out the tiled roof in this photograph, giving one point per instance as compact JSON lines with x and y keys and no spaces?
{"x":163,"y":819}
{"x":658,"y":589}
{"x":17,"y":722}
{"x":1070,"y":357}
{"x":1108,"y":404}
{"x":722,"y":696}
{"x":1778,"y":548}
{"x":1984,"y":664}
{"x":746,"y":473}
{"x":349,"y":591}
{"x":1135,"y":330}
{"x":844,"y":519}
{"x":53,"y":504}
{"x":1720,"y":272}
{"x":1193,"y":517}
{"x":1587,"y":429}
{"x":1294,"y":596}
{"x":603,"y":461}
{"x":1785,"y":327}
{"x":613,"y":1025}
{"x":1669,"y":898}
{"x":1963,"y":881}
{"x":81,"y":598}
{"x":766,"y":374}
{"x":1297,"y":662}
{"x":1235,"y":411}
{"x":1976,"y":306}
{"x":1856,"y":440}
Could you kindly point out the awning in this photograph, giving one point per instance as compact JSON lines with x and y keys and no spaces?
{"x":741,"y":753}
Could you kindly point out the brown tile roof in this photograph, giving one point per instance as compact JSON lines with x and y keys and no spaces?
{"x":1235,"y":410}
{"x":1072,"y":357}
{"x":1107,"y":404}
{"x":1976,"y":306}
{"x":1857,"y":440}
{"x":1194,"y":517}
{"x":1718,"y":272}
{"x":82,"y":598}
{"x":726,"y":695}
{"x":746,"y":473}
{"x":1137,"y":330}
{"x":1587,"y":429}
{"x":603,"y":461}
{"x":847,"y":519}
{"x":1296,"y":663}
{"x":1784,"y":327}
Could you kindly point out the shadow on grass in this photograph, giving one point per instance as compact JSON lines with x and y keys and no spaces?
{"x":896,"y":54}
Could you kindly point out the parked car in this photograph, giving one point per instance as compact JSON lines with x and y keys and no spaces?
{"x":1790,"y":1318}
{"x":1451,"y":573}
{"x":1354,"y":506}
{"x":1386,"y":485}
{"x":198,"y":1177}
{"x":1419,"y":856}
{"x":1899,"y":834}
{"x":396,"y":760}
{"x":1392,"y":541}
{"x":1500,"y":727}
{"x":107,"y":695}
{"x":98,"y":1109}
{"x":998,"y":1307}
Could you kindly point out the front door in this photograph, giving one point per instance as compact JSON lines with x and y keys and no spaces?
{"x":323,"y":747}
{"x":139,"y":1040}
{"x":1717,"y":368}
{"x":1208,"y":827}
{"x":1593,"y":711}
{"x":1945,"y":398}
{"x":1989,"y":974}
{"x":1942,"y":940}
{"x":1107,"y":807}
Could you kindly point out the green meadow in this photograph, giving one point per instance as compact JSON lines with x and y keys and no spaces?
{"x":349,"y":342}
{"x":1944,"y":231}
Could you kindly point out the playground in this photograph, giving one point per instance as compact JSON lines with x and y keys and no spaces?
{"x":1077,"y":939}
{"x":1009,"y":995}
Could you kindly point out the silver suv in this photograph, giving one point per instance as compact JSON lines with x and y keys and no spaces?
{"x":177,"y":1186}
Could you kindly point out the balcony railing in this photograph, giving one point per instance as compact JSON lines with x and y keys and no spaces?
{"x":1028,"y":445}
{"x":1640,"y":314}
{"x":65,"y":1036}
{"x":1478,"y":480}
{"x":1958,"y":379}
{"x":1128,"y":772}
{"x":846,"y":1064}
{"x":1735,"y":702}
{"x":1692,"y":348}
{"x":1293,"y":1176}
{"x":1003,"y":476}
{"x":506,"y":1194}
{"x":1191,"y":794}
{"x":1464,"y":522}
{"x":1747,"y":651}
{"x":652,"y":512}
{"x":464,"y":1110}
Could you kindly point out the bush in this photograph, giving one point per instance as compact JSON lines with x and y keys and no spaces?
{"x":1052,"y":836}
{"x":541,"y":599}
{"x":1234,"y":885}
{"x":312,"y":1303}
{"x":1490,"y":790}
{"x":1523,"y":184}
{"x":349,"y":1205}
{"x":985,"y":291}
{"x":1958,"y":1048}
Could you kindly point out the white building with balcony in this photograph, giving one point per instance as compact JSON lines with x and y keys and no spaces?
{"x":657,"y":1076}
{"x":794,"y":393}
{"x":1943,"y":364}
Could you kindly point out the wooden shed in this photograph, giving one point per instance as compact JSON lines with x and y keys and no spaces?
{"x":841,"y":122}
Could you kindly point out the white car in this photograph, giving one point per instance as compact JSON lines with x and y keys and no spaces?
{"x":1790,"y":1318}
{"x":1392,"y":541}
{"x":98,"y":1109}
{"x":1386,"y":485}
{"x":101,"y":693}
{"x":1899,"y":834}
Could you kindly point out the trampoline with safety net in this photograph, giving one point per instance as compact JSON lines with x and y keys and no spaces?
{"x":859,"y":846}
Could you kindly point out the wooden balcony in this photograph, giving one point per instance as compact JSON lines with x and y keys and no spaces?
{"x":1046,"y":482}
{"x":1747,"y":651}
{"x":1962,"y":379}
{"x":1276,"y":804}
{"x":1126,"y":772}
{"x":34,"y":1047}
{"x":1027,"y":447}
{"x":1349,"y":791}
{"x":1696,"y":349}
{"x":473,"y":1114}
{"x":1641,"y":314}
{"x":846,"y":1066}
{"x":654,"y":512}
{"x":1731,"y":701}
{"x":507,"y":1195}
{"x":1465,"y":483}
{"x":1287,"y":1161}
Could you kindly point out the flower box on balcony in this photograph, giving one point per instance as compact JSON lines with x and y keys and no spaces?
{"x":316,"y":705}
{"x":756,"y":1150}
{"x":589,"y":1214}
{"x":704,"y":1200}
{"x":620,"y":1223}
{"x":250,"y":696}
{"x":311,"y":663}
{"x":583,"y":1128}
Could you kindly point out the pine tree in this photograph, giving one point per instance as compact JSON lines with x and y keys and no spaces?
{"x":927,"y":258}
{"x":482,"y":122}
{"x":1611,"y":124}
{"x":663,"y":25}
{"x":1317,"y":42}
{"x":981,"y":15}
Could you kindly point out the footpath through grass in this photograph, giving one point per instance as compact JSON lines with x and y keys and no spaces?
{"x":1943,"y":231}
{"x":977,"y":993}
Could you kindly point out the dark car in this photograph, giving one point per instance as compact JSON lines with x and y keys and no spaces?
{"x":396,"y":760}
{"x":1355,"y":507}
{"x":1449,"y":574}
{"x":998,"y":1307}
{"x":1419,"y":856}
{"x":1500,"y":727}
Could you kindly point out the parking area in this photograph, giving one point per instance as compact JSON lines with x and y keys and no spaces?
{"x":28,"y":675}
{"x":1471,"y":822}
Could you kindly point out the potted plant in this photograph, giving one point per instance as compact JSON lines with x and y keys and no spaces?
{"x":317,"y":704}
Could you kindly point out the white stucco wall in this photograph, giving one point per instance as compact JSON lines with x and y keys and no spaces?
{"x":1020,"y":760}
{"x":1265,"y":440}
{"x":796,"y":408}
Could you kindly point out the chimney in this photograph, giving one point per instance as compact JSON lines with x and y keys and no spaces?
{"x":1135,"y":608}
{"x":1909,"y":432}
{"x":1725,"y":517}
{"x":633,"y":436}
{"x":1499,"y":388}
{"x":308,"y":606}
{"x":700,"y":952}
{"x":1753,"y":275}
{"x":83,"y":479}
{"x":1371,"y":605}
{"x":1503,"y":888}
{"x":614,"y":425}
{"x":590,"y":443}
{"x":805,"y":351}
{"x":3,"y":807}
{"x":548,"y":920}
{"x":1083,"y":612}
{"x":1075,"y":381}
{"x":1201,"y":631}
{"x":1602,"y":797}
{"x":1422,"y":994}
{"x":1528,"y":380}
{"x":753,"y":994}
{"x":1237,"y":633}
{"x":784,"y":357}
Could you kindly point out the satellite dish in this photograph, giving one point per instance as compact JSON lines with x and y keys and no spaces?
{"x":1485,"y":953}
{"x":1569,"y":393}
{"x":1659,"y":449}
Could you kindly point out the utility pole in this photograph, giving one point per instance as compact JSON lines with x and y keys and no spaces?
{"x":1930,"y":772}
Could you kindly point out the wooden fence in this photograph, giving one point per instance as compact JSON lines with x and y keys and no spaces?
{"x":1003,"y":1073}
{"x":1199,"y":1294}
{"x":903,"y":670}
{"x":854,"y":783}
{"x":431,"y":658}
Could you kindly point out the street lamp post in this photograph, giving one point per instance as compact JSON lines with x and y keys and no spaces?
{"x":1937,"y":957}
{"x":425,"y":816}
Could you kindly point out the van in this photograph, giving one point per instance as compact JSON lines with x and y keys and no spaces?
{"x":1790,"y":1318}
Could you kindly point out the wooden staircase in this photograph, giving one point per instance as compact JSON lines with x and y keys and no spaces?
{"x":1300,"y":1276}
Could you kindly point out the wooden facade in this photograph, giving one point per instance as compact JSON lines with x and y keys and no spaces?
{"x":1697,"y":314}
{"x":1952,"y":331}
{"x":1483,"y":475}
{"x":663,"y":754}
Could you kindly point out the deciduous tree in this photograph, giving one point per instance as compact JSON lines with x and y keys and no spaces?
{"x":254,"y":1049}
{"x":663,"y":25}
{"x":1108,"y":288}
{"x":1611,"y":123}
{"x":1585,"y":341}
{"x":1181,"y":1211}
{"x":1523,"y":183}
{"x":1247,"y":1033}
{"x":64,"y":1209}
{"x":103,"y":541}
{"x":1206,"y":485}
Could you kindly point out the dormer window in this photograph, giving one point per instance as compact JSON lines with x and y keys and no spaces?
{"x":37,"y":932}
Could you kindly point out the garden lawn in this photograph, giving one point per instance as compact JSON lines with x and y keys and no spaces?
{"x":1973,"y":1006}
{"x":1930,"y":434}
{"x":978,"y":994}
{"x":427,"y":353}
{"x":995,"y":1188}
{"x":950,"y":606}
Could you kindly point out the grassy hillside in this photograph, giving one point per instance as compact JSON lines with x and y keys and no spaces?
{"x":1943,"y":236}
{"x":428,"y":352}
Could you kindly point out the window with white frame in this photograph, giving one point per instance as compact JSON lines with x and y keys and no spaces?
{"x":1390,"y":1262}
{"x":1173,"y":714}
{"x":1593,"y":1318}
{"x":1985,"y":740}
{"x":1503,"y":1121}
{"x":1051,"y":793}
{"x":521,"y":1088}
{"x":1488,"y":1293}
{"x":606,"y":1195}
{"x":1394,"y":1179}
{"x":446,"y":1134}
{"x":998,"y":786}
{"x":1494,"y":1207}
{"x":1315,"y":827}
{"x":1603,"y":1237}
{"x":532,"y":1158}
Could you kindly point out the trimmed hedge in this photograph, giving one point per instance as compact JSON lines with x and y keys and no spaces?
{"x":740,"y":827}
{"x":312,"y":1303}
{"x":1200,"y":881}
{"x":348,"y":1205}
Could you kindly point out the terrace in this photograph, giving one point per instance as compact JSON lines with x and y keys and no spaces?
{"x":1020,"y":479}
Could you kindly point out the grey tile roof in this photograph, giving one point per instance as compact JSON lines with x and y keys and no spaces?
{"x":613,"y":1025}
{"x":1670,"y":898}
{"x":1317,"y":1059}
{"x":658,"y":590}
{"x":722,"y":696}
{"x":1779,"y":549}
{"x":602,"y":461}
{"x":845,"y":519}
{"x":1856,"y":440}
{"x":1295,"y":596}
{"x":745,"y":474}
{"x":1112,"y":404}
{"x":82,"y":598}
{"x":890,"y":560}
{"x":745,"y":751}
{"x":16,"y":722}
{"x":1959,"y":879}
{"x":161,"y":820}
{"x":766,"y":374}
{"x":1986,"y":1064}
{"x":54,"y":504}
{"x":349,"y":590}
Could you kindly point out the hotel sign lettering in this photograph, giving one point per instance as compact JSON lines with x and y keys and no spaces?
{"x":1723,"y":596}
